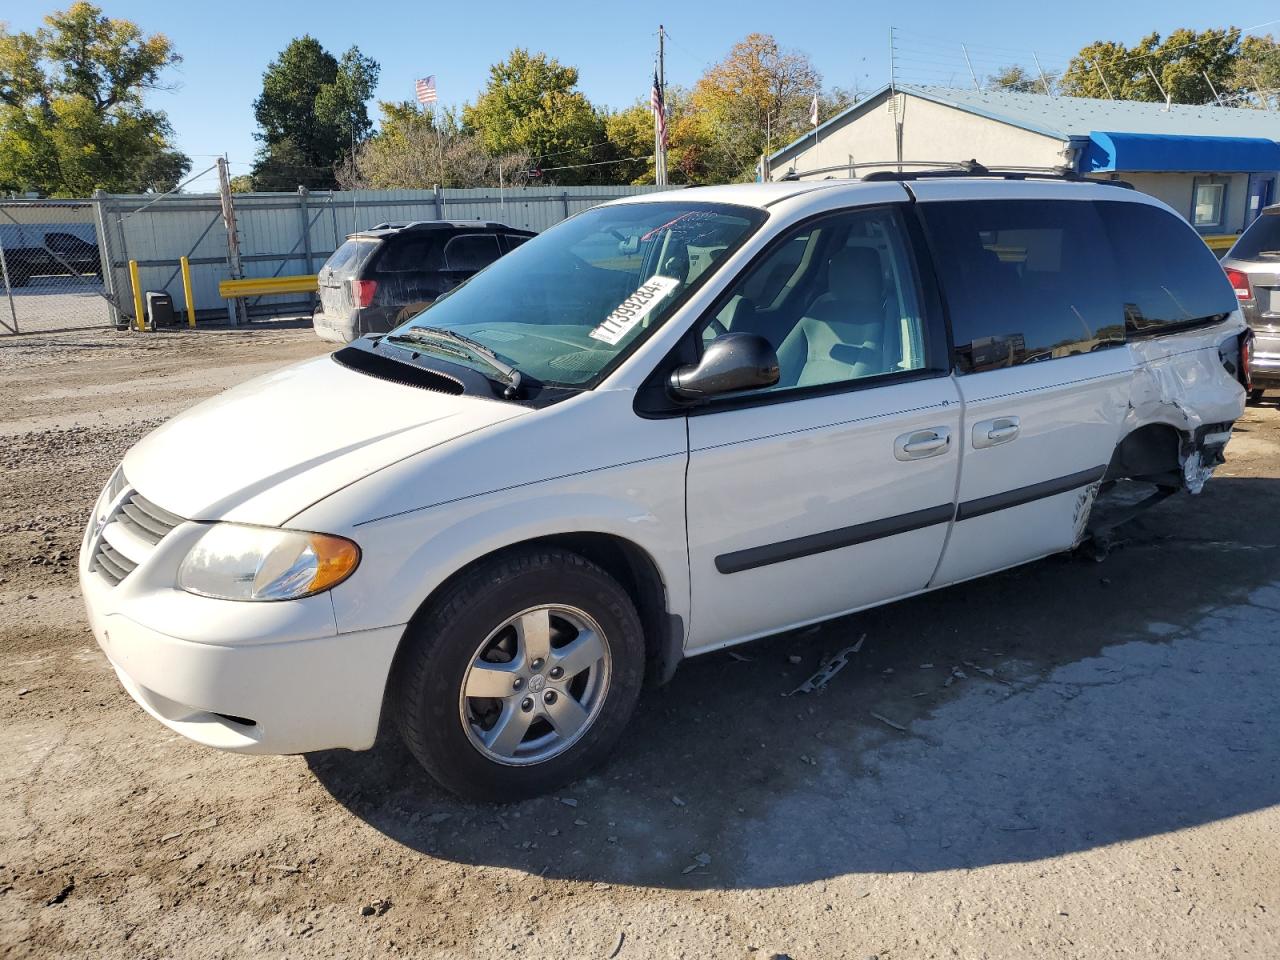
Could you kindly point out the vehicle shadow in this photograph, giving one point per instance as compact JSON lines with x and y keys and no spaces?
{"x":1049,"y":709}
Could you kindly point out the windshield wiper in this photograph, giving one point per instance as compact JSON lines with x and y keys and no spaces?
{"x":447,"y":339}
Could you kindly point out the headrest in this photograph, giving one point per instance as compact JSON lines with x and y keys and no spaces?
{"x":854,"y":274}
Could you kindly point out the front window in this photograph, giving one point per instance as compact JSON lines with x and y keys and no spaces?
{"x":569,"y":302}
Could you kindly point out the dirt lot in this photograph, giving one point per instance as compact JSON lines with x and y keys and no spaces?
{"x":1069,"y":759}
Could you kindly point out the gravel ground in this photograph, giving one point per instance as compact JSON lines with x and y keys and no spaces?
{"x":1070,"y":759}
{"x":54,"y":303}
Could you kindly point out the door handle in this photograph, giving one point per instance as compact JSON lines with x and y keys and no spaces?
{"x":922,"y":443}
{"x":988,"y":433}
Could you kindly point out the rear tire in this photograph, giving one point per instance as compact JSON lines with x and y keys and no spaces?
{"x":521,"y":676}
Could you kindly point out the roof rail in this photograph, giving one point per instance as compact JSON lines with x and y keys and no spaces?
{"x":794,"y":174}
{"x":931,"y":169}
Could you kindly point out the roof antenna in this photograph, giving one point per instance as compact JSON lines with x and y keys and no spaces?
{"x":1043,"y":79}
{"x":970,"y":63}
{"x":1167,"y":100}
{"x":1217,"y":100}
{"x":1103,"y":77}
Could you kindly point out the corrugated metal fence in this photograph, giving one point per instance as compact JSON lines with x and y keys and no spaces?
{"x":280,"y":234}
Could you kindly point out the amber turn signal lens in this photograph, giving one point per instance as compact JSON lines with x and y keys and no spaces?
{"x":336,"y":559}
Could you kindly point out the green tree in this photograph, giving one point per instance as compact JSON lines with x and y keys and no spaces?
{"x":312,"y":110}
{"x":1257,"y":71}
{"x":1016,"y":78}
{"x":1187,"y":65}
{"x":756,"y":99}
{"x":532,"y":105}
{"x":413,"y":150}
{"x":72,"y":112}
{"x":631,"y":135}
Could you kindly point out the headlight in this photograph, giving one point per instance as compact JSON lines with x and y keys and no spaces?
{"x":236,"y":562}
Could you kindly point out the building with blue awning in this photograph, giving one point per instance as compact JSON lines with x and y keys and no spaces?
{"x":1217,"y":166}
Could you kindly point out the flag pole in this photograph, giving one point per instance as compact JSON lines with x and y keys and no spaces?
{"x":660,"y":148}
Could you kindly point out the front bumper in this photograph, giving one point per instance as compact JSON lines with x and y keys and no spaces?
{"x":261,"y":678}
{"x":274,"y":698}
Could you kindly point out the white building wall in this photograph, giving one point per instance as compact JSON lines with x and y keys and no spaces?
{"x":931,"y":132}
{"x":1178,"y":189}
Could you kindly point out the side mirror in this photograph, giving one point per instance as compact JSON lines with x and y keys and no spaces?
{"x":731,"y":362}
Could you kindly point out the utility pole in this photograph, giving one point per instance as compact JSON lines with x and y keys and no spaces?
{"x":235,"y":307}
{"x":660,"y":123}
{"x":893,"y":94}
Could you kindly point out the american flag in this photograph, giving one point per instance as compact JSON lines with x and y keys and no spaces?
{"x":659,"y":107}
{"x":426,"y":90}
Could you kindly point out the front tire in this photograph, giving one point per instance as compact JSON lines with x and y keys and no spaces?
{"x":1255,"y":396}
{"x":521,"y":676}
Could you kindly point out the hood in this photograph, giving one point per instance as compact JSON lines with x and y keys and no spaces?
{"x":269,"y":448}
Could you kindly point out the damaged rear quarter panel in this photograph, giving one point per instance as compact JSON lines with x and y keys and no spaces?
{"x":1179,"y":380}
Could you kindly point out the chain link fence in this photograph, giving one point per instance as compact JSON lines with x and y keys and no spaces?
{"x":51,"y":267}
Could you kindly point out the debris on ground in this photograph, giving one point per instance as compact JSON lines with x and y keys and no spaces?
{"x":795,"y":659}
{"x":828,"y":670}
{"x":739,"y":657}
{"x":886,"y":720}
{"x":986,"y":672}
{"x":569,"y":801}
{"x":622,"y":936}
{"x":956,"y":674}
{"x":62,"y":894}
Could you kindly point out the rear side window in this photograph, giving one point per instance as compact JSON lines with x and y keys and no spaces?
{"x":471,"y":251}
{"x":412,"y":253}
{"x":347,"y":260}
{"x":1168,"y":277}
{"x":514,"y":240}
{"x":1262,"y":239}
{"x":1025,"y":280}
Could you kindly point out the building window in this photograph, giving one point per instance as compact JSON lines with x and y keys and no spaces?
{"x":1209,"y":204}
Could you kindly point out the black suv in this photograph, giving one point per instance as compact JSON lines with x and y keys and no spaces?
{"x":382,"y":276}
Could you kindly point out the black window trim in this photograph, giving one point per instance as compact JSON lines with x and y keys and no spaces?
{"x":654,"y":403}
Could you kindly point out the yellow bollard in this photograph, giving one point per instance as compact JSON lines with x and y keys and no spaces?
{"x":137,"y":295}
{"x":186,"y":291}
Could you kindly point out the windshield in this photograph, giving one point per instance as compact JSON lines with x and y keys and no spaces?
{"x":566,"y":304}
{"x":1262,"y":239}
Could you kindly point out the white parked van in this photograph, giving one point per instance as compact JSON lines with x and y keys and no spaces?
{"x":668,"y":425}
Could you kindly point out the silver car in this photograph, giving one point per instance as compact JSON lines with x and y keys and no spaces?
{"x":1253,"y":267}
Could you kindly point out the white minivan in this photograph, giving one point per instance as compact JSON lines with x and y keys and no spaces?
{"x":667,"y":425}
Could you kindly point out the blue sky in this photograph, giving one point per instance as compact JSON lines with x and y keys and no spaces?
{"x":225,"y":46}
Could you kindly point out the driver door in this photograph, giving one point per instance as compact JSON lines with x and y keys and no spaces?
{"x":834,"y":489}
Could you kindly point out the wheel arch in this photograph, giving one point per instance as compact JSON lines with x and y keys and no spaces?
{"x":1151,"y":452}
{"x":627,"y":562}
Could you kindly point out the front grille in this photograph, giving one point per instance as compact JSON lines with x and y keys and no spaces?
{"x":132,"y":531}
{"x":113,"y":565}
{"x":144,"y":518}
